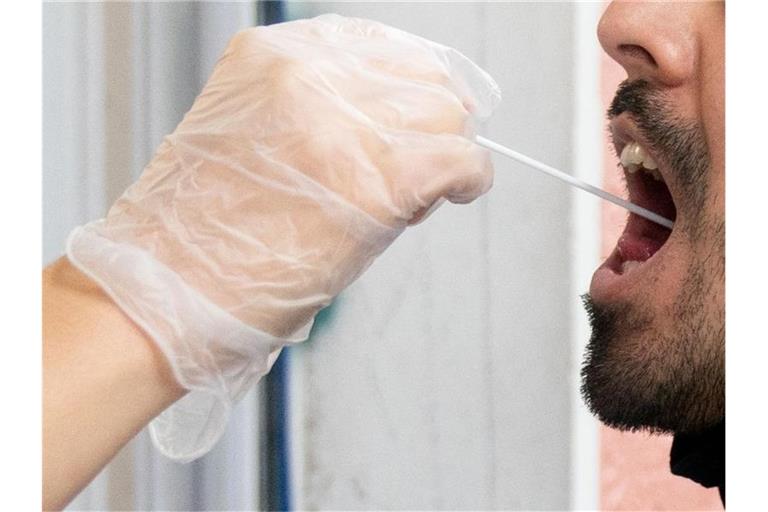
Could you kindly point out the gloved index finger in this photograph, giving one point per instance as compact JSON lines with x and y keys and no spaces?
{"x":474,"y":86}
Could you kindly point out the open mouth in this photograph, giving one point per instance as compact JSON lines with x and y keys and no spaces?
{"x":642,"y":240}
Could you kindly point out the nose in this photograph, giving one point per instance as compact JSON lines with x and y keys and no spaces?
{"x":652,"y":40}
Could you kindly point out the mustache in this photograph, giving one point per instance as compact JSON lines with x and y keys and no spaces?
{"x":680,"y":142}
{"x":635,"y":97}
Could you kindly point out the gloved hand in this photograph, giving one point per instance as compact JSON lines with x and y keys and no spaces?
{"x":311,"y":148}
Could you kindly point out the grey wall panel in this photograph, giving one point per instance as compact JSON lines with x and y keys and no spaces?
{"x":71,"y":123}
{"x":529,"y":254}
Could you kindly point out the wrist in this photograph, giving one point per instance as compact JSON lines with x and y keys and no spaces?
{"x":103,"y":380}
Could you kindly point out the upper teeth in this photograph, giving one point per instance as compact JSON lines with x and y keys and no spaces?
{"x":633,"y":157}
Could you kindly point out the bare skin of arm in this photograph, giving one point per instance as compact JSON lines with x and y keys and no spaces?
{"x":103,"y":381}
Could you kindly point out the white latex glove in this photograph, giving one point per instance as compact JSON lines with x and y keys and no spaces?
{"x":311,"y":148}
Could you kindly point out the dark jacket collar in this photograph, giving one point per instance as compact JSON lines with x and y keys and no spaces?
{"x":700,"y":456}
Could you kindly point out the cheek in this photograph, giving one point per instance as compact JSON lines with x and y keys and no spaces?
{"x":712,"y":107}
{"x":717,"y":181}
{"x":669,"y":281}
{"x":692,"y":280}
{"x":715,"y":132}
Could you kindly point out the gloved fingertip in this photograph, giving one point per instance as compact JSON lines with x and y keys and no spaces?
{"x":474,"y":183}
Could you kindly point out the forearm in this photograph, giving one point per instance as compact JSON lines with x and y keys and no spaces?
{"x":103,"y":381}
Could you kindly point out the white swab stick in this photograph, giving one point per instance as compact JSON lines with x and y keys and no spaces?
{"x":639,"y":210}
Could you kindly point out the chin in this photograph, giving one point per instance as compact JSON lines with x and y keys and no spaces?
{"x":640,"y":376}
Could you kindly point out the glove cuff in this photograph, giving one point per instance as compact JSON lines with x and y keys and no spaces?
{"x":214,"y":355}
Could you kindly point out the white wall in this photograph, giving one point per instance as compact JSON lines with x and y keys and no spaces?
{"x":445,"y":377}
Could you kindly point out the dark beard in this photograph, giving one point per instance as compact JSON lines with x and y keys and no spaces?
{"x":636,"y":377}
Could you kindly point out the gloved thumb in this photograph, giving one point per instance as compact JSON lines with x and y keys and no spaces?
{"x":440,"y":167}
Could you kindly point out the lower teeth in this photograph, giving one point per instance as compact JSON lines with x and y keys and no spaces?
{"x":628,"y":266}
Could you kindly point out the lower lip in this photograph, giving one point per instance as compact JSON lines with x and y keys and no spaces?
{"x":608,"y":285}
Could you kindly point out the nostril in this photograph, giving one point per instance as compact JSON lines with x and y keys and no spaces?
{"x":638,"y":52}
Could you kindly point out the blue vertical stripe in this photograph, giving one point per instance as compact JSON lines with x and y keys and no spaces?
{"x":271,"y":11}
{"x":277,"y":389}
{"x":278,"y":476}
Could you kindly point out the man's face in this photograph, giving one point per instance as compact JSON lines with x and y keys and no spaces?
{"x":656,"y":357}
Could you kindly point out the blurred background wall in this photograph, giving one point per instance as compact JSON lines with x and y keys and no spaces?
{"x":447,"y":376}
